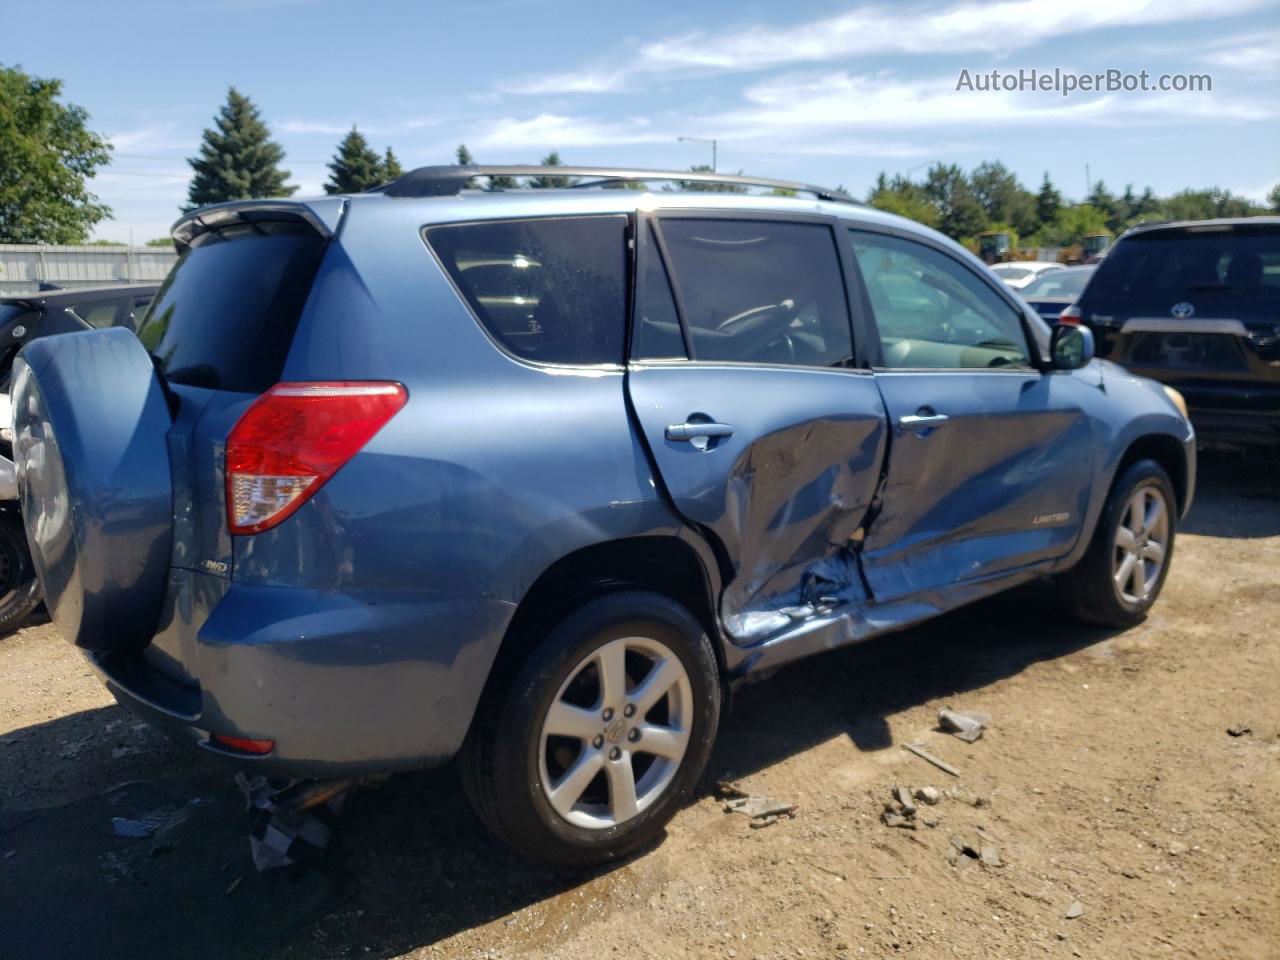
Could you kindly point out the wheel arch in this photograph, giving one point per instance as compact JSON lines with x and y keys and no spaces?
{"x":1165,"y":450}
{"x":674,"y":566}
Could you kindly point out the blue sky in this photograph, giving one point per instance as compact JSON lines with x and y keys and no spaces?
{"x":818,"y":90}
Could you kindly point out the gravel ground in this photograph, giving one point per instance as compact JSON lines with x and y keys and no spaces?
{"x":1107,"y":780}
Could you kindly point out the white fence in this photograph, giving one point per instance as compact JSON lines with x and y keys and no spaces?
{"x":24,"y":267}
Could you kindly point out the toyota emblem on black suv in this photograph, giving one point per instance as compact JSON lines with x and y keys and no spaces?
{"x":1182,"y":311}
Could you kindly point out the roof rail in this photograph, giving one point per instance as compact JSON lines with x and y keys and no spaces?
{"x":447,"y":181}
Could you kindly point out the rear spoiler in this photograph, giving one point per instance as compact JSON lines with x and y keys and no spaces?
{"x":217,"y":216}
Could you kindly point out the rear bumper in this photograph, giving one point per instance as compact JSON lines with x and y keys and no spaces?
{"x":343,"y":684}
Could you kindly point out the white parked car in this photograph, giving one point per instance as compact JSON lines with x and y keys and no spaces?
{"x":1018,"y":274}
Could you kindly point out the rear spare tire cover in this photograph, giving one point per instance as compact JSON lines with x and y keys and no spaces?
{"x":90,"y":425}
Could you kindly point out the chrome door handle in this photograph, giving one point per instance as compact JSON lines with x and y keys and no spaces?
{"x":922,"y":421}
{"x":691,"y":431}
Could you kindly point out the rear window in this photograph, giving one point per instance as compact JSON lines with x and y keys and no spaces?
{"x":1058,"y":283}
{"x":1166,"y":266}
{"x":1011,"y":273}
{"x":226,"y":315}
{"x":552,"y":290}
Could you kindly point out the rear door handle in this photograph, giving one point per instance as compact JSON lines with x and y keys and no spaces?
{"x":691,"y":431}
{"x":922,"y":421}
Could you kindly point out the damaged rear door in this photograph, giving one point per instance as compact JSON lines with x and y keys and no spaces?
{"x":765,"y":431}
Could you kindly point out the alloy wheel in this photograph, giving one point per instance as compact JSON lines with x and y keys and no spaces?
{"x":615,"y":733}
{"x":1141,"y":542}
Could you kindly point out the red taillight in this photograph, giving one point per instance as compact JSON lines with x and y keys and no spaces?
{"x":293,"y":439}
{"x":243,"y":744}
{"x":1070,"y":315}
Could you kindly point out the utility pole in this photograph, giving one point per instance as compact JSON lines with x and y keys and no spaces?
{"x":1088,"y":183}
{"x":703,"y":140}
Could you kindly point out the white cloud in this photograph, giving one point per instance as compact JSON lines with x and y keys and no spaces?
{"x":807,"y":110}
{"x":579,"y":81}
{"x":151,"y":138}
{"x":559,"y":131}
{"x":338,"y":129}
{"x":961,"y":27}
{"x":1249,"y":53}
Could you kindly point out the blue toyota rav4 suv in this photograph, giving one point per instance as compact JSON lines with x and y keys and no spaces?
{"x":527,"y":477}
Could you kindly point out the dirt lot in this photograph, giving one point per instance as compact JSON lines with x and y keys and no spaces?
{"x":1108,"y":778}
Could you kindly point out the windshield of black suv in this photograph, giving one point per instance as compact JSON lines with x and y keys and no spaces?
{"x":1168,"y":266}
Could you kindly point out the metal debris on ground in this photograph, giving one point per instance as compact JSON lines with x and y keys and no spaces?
{"x":1239,"y":729}
{"x":925,"y":755}
{"x":763,"y":811}
{"x":900,"y":811}
{"x":293,"y":820}
{"x":963,"y":724}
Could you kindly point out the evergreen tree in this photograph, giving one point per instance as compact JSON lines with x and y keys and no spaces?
{"x":1048,"y":200}
{"x":355,"y":167}
{"x":904,"y":198}
{"x":550,"y":182}
{"x":1003,"y":198}
{"x":464,"y":158}
{"x":960,"y":214}
{"x":238,"y":159}
{"x":1273,"y":199}
{"x":391,"y":168}
{"x":1100,"y":198}
{"x":46,"y":156}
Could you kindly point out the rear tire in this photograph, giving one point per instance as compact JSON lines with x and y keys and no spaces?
{"x":556,"y":762}
{"x":19,"y":586}
{"x":1120,"y":576}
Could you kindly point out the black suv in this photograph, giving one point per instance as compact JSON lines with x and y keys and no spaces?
{"x":1197,"y":306}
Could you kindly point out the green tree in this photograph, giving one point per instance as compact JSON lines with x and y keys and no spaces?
{"x":160,"y":242}
{"x":1072,"y":224}
{"x":1273,"y":199}
{"x":464,"y":158}
{"x":1113,"y":207}
{"x":960,"y":215}
{"x":904,"y":198}
{"x":238,"y":160}
{"x":548,"y":181}
{"x":1003,"y":198}
{"x":1048,"y":200}
{"x":355,"y":167}
{"x":47,"y":153}
{"x":1208,"y":204}
{"x":391,"y":168}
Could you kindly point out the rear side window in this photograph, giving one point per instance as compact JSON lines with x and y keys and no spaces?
{"x":759,"y":291}
{"x":552,"y":289}
{"x":97,"y":313}
{"x":226,"y":315}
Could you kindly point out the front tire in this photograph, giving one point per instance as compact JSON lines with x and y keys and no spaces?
{"x":601,"y":736}
{"x":1120,"y":576}
{"x":19,"y":586}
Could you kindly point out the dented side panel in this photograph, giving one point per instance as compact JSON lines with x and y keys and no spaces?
{"x":784,"y":495}
{"x":1002,"y":484}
